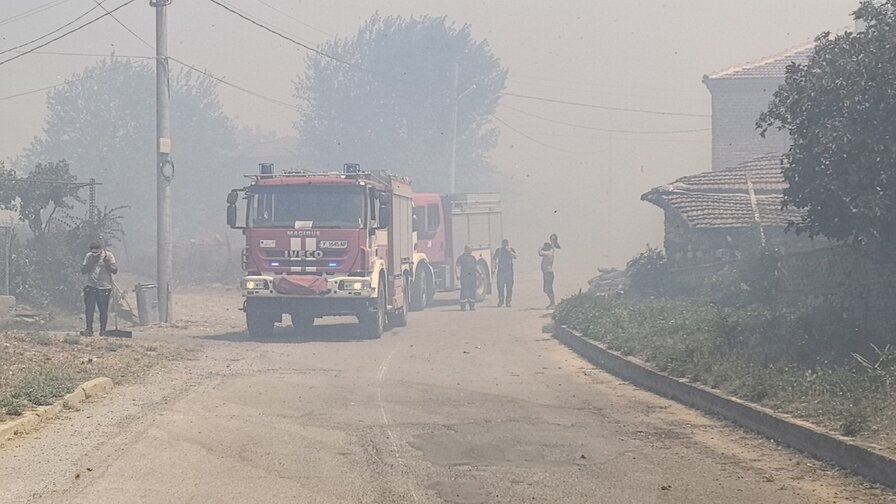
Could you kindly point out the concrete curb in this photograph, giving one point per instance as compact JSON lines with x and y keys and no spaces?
{"x":32,"y":419}
{"x":864,"y":461}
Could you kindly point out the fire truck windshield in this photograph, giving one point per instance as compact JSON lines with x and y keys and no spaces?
{"x":319,"y":206}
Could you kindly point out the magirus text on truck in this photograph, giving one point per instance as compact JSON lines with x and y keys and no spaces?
{"x":325,"y":244}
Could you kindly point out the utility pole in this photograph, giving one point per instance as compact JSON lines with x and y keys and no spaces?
{"x":454,"y":99}
{"x":164,"y":166}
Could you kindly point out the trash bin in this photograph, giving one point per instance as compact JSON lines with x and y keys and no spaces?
{"x":147,"y":303}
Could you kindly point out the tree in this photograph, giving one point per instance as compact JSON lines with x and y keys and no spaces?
{"x":103,"y":122}
{"x":390,"y":106}
{"x":839,"y":109}
{"x":37,"y":196}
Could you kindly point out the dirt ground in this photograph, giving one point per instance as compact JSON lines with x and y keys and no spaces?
{"x":56,"y":347}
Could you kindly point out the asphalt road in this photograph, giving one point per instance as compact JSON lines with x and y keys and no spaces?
{"x":457,"y":407}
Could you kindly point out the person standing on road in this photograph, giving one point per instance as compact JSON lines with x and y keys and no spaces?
{"x":502,"y":268}
{"x":467,"y":271}
{"x":99,"y":266}
{"x":547,"y":271}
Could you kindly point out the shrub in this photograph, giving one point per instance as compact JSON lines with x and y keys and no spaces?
{"x":796,"y":360}
{"x":648,"y":273}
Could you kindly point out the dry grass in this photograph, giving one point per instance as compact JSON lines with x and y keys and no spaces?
{"x":38,"y":367}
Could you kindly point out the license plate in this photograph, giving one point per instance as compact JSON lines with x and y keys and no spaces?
{"x":332,"y":244}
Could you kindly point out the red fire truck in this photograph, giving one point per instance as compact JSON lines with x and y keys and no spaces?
{"x":444,"y":224}
{"x":325,"y":244}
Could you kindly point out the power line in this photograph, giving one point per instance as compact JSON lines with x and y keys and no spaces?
{"x":240,"y":88}
{"x":285,"y":37}
{"x":533,"y":139}
{"x":32,"y":11}
{"x":604,"y":107}
{"x":290,"y":16}
{"x":132,"y":32}
{"x":69,"y":81}
{"x":606,"y":130}
{"x":73,"y":30}
{"x":57,"y":30}
{"x":262,"y":21}
{"x":91,"y":55}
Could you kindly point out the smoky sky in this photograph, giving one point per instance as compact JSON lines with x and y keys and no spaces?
{"x":585,"y":182}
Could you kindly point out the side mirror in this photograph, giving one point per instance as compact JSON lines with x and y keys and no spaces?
{"x":385,"y":212}
{"x":231,"y":214}
{"x":233,"y":197}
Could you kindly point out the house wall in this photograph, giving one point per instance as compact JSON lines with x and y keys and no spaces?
{"x":736,"y":105}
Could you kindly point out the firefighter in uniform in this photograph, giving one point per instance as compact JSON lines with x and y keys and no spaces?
{"x":502,"y":268}
{"x":467,"y":272}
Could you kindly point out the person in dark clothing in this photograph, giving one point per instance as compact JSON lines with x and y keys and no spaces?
{"x":502,"y":268}
{"x":467,"y":272}
{"x":99,"y":266}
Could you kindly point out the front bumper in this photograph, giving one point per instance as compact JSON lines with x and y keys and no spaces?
{"x":338,"y":287}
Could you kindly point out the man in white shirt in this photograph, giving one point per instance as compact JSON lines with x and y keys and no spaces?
{"x":99,"y":266}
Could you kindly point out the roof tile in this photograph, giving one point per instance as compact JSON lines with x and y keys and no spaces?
{"x":721,"y":199}
{"x":769,"y":68}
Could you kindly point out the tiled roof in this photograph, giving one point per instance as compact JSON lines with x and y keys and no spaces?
{"x":730,"y":210}
{"x":721,"y":199}
{"x":768,"y":68}
{"x":766,"y":173}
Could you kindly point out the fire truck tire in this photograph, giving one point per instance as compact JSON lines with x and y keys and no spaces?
{"x":399,"y":317}
{"x":483,"y":281}
{"x":419,"y":289}
{"x":373,"y":323}
{"x":430,"y":287}
{"x":260,"y":323}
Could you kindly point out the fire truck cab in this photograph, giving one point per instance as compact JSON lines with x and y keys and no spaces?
{"x":325,"y":244}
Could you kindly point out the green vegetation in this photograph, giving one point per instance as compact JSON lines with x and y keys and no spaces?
{"x":796,"y":361}
{"x":38,"y":387}
{"x":838,"y":111}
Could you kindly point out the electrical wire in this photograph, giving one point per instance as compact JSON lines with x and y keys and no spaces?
{"x":606,"y":130}
{"x":68,"y":81}
{"x":73,"y":30}
{"x":240,"y":88}
{"x":32,"y":11}
{"x":132,"y":32}
{"x":535,"y":140}
{"x":57,"y":30}
{"x":290,"y":16}
{"x":262,"y":21}
{"x":287,"y":38}
{"x":91,"y":55}
{"x":604,"y":107}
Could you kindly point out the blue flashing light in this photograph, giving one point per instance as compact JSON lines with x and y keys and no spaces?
{"x":332,"y":264}
{"x":275,"y":264}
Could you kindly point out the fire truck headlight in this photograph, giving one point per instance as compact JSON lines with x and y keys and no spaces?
{"x":255,"y":285}
{"x":354,"y":285}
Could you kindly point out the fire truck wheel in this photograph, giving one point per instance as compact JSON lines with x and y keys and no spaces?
{"x":419,"y":290}
{"x":430,"y":287}
{"x":260,"y":323}
{"x":399,"y":317}
{"x":373,"y":323}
